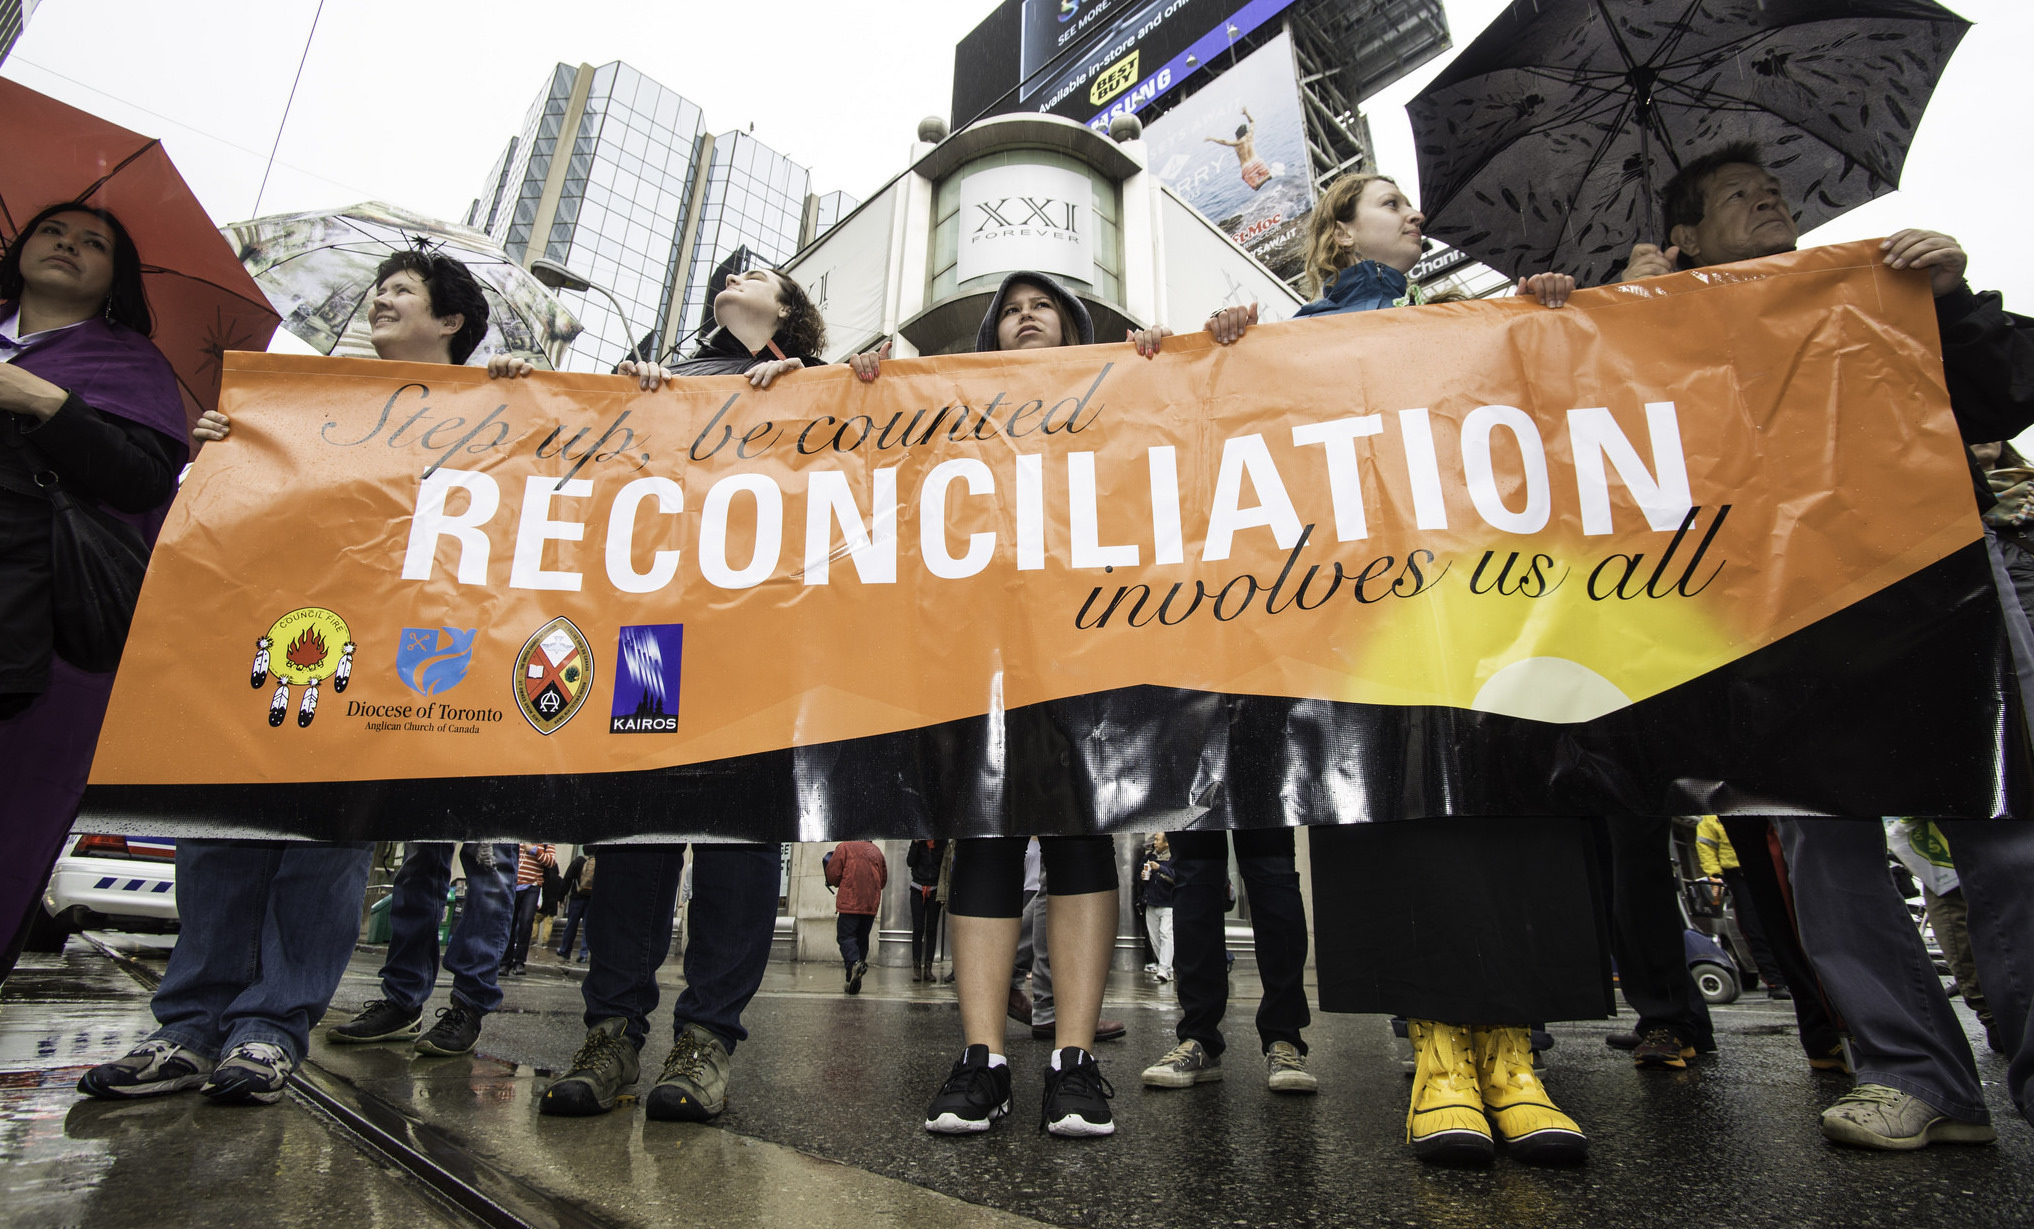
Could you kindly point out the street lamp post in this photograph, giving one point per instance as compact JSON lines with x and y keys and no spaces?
{"x":558,"y":277}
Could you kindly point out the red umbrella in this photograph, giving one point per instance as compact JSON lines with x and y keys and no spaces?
{"x":204,"y":302}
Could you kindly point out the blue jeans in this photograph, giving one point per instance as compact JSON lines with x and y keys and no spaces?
{"x":851,"y":932}
{"x":478,"y":941}
{"x":1877,"y":974}
{"x":575,"y":913}
{"x":732,"y":919}
{"x":268,"y":927}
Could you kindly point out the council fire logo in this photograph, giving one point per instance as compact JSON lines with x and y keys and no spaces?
{"x":554,"y":675}
{"x":302,"y":649}
{"x":646,"y":680}
{"x":434,"y":659}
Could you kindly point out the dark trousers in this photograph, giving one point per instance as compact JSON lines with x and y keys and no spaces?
{"x":524,"y":922}
{"x":1877,"y":972}
{"x":925,"y":910}
{"x":731,"y":920}
{"x":575,"y":915}
{"x":851,"y":931}
{"x":1646,"y":931}
{"x":1200,"y":899}
{"x":1752,"y":927}
{"x":1765,"y":897}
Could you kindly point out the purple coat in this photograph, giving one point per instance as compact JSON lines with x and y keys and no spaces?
{"x":118,"y":451}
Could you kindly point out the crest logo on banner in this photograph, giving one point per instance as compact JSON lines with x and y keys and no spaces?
{"x":646,"y":680}
{"x":303,"y":648}
{"x":434,"y":659}
{"x":554,"y":673}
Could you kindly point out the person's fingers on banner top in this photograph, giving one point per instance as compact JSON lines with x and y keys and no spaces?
{"x":507,"y":367}
{"x":1551,"y":289}
{"x":1147,"y":340}
{"x":1647,"y":260}
{"x":1229,"y":323}
{"x":868,"y":366}
{"x":1942,"y":256}
{"x":212,"y":426}
{"x":650,"y":376}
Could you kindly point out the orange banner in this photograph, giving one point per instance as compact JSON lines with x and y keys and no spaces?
{"x":402,"y":571}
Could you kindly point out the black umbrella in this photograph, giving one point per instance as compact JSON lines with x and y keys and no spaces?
{"x":1540,"y":148}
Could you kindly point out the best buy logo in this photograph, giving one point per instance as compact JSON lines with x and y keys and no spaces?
{"x":1114,"y":80}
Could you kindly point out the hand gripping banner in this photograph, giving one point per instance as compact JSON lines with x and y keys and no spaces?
{"x":1704,"y":543}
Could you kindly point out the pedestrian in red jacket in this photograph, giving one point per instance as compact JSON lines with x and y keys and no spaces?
{"x":857,"y":873}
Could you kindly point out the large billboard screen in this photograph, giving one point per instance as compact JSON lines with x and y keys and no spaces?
{"x":1149,"y":49}
{"x":1051,"y":28}
{"x":1237,"y":151}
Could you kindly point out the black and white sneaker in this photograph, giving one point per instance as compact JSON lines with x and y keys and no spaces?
{"x":974,"y":1095}
{"x":251,"y":1073}
{"x":1077,"y":1097}
{"x":458,"y":1027}
{"x":855,"y":975}
{"x":149,"y":1070}
{"x":379,"y":1020}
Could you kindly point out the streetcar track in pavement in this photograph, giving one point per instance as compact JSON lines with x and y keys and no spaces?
{"x":470,"y":1184}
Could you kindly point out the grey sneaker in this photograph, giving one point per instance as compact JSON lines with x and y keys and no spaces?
{"x":693,"y":1085}
{"x":1875,"y":1116}
{"x":251,"y":1073}
{"x":606,"y":1063}
{"x":149,"y":1070}
{"x":1184,"y":1066}
{"x":1286,"y":1069}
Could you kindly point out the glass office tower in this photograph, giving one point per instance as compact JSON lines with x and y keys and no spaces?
{"x":754,"y":200}
{"x":614,"y":177}
{"x":597,"y":182}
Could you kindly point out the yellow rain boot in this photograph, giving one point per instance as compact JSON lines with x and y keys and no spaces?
{"x":1522,"y":1115}
{"x":1445,"y":1125}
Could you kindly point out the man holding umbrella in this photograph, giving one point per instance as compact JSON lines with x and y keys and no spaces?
{"x":1916,"y":1080}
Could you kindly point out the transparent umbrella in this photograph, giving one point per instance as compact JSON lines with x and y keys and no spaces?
{"x":318,"y":271}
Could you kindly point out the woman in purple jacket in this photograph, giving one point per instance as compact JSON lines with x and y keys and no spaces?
{"x":89,"y":399}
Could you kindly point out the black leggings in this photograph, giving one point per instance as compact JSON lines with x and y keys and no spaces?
{"x":988,"y":871}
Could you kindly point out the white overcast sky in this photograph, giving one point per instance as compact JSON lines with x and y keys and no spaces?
{"x":409,"y":101}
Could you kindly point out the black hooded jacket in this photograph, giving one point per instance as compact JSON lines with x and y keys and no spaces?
{"x":725,"y":355}
{"x":1069,"y":305}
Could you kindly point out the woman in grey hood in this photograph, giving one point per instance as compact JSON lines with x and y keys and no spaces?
{"x":1030,"y":311}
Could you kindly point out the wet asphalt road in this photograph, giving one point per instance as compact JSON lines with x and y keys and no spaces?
{"x":824,"y":1077}
{"x":1733,"y":1140}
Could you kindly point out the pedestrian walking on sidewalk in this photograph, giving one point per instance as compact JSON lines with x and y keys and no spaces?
{"x":924,"y":860}
{"x":857,"y":873}
{"x":531,"y":867}
{"x":578,"y":898}
{"x":1159,"y":880}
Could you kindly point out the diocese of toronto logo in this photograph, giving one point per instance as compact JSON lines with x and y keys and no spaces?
{"x":646,"y":681}
{"x":434,"y":659}
{"x":302,"y":649}
{"x":554,"y":675}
